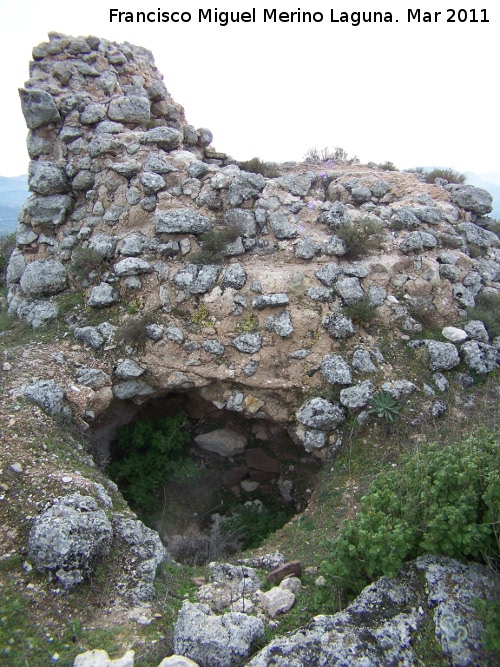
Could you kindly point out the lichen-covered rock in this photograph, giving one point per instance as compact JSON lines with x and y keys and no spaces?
{"x":47,"y":394}
{"x":132,"y":266}
{"x":181,"y":221}
{"x":477,"y":235}
{"x":38,"y":107}
{"x":480,"y":357}
{"x":357,"y":396}
{"x":472,"y":199}
{"x":103,"y":295}
{"x":69,"y":538}
{"x":44,"y":277}
{"x":319,"y":414}
{"x":335,"y":369}
{"x":197,"y":278}
{"x":338,"y":325}
{"x":249,"y":343}
{"x":281,"y":324}
{"x":129,"y":369}
{"x":234,"y":276}
{"x":215,"y":641}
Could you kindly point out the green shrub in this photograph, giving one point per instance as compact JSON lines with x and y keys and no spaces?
{"x":388,"y":166}
{"x":336,"y":154}
{"x":362,"y":311}
{"x":213,"y":245}
{"x":145,"y":455}
{"x":253,"y":524}
{"x":450,"y":175}
{"x":84,"y":261}
{"x":360,"y":237}
{"x":439,"y":500}
{"x":488,"y":311}
{"x":254,"y":166}
{"x":490,"y":611}
{"x":384,"y":406}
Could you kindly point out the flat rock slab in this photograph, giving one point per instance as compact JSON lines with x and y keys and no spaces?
{"x":290,"y":569}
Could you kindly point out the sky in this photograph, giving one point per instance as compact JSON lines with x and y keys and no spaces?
{"x":413,"y":93}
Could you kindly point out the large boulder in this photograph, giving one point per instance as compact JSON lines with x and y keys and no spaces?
{"x":215,"y":641}
{"x":47,"y":394}
{"x":472,"y":199}
{"x":44,"y":277}
{"x":181,"y":221}
{"x":318,"y":413}
{"x":69,"y":538}
{"x":197,"y":278}
{"x":38,"y":108}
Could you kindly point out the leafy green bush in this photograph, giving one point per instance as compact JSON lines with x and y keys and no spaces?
{"x":384,"y":406}
{"x":388,"y":166}
{"x":145,"y":455}
{"x":253,"y":524}
{"x":439,"y":500}
{"x":359,"y":238}
{"x":490,"y":611}
{"x":450,"y":175}
{"x":488,"y":311}
{"x":84,"y":261}
{"x":362,"y":311}
{"x":213,"y":245}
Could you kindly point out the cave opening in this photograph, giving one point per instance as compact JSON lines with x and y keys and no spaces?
{"x":210,"y":481}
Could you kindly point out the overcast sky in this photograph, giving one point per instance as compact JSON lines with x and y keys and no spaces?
{"x":412,"y":93}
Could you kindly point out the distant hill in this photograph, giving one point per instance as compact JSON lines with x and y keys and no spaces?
{"x":13,"y":193}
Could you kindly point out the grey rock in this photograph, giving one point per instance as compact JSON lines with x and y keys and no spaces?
{"x":149,"y":202}
{"x":454,"y":334}
{"x":477,"y":331}
{"x":146,"y":554}
{"x":234,"y":276}
{"x":282,"y":228}
{"x":362,"y":362}
{"x":130,"y":109}
{"x":38,"y":144}
{"x":338,"y":325}
{"x":349,"y":290}
{"x":154,"y":332}
{"x":105,"y":144}
{"x":306,"y":248}
{"x":113,"y":214}
{"x":315,"y":440}
{"x":441,"y":382}
{"x":15,"y":267}
{"x":128,"y":369}
{"x":244,"y":186}
{"x":216,"y":641}
{"x":452,"y":273}
{"x":334,"y":214}
{"x":152,"y":183}
{"x":103,"y":295}
{"x":134,"y":244}
{"x":377,"y":295}
{"x":83,"y":181}
{"x":242,"y":220}
{"x":270,"y":300}
{"x":181,"y":221}
{"x":197,"y":278}
{"x":236,"y":248}
{"x":430,"y":214}
{"x":222,"y":441}
{"x":38,"y":108}
{"x":109,"y":127}
{"x":406,"y":217}
{"x":25,"y":234}
{"x":126,"y":169}
{"x":92,"y":377}
{"x":357,"y":396}
{"x":213,"y":347}
{"x":464,"y":296}
{"x":417,"y":241}
{"x":132,"y":388}
{"x":210,"y":198}
{"x":47,"y":394}
{"x":169,"y":249}
{"x":380,"y":188}
{"x":399,"y":388}
{"x":328,"y":274}
{"x":44,"y":277}
{"x":89,"y":336}
{"x":205,"y":136}
{"x":235,"y":402}
{"x":438,"y":408}
{"x":50,"y":210}
{"x":321,"y":294}
{"x":35,"y":313}
{"x":198,"y":169}
{"x":357,"y":269}
{"x":251,"y":368}
{"x":361,"y":194}
{"x":472,"y":199}
{"x":175,"y":334}
{"x":167,"y":138}
{"x":47,"y":179}
{"x":132,"y":266}
{"x":249,"y":343}
{"x":157,"y":164}
{"x":69,"y":538}
{"x":442,"y":356}
{"x":334,"y":246}
{"x":335,"y":369}
{"x":281,"y":324}
{"x":477,"y":235}
{"x":103,"y":244}
{"x":69,"y":134}
{"x":480,"y":357}
{"x":296,"y":184}
{"x":319,"y":414}
{"x":92,"y":114}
